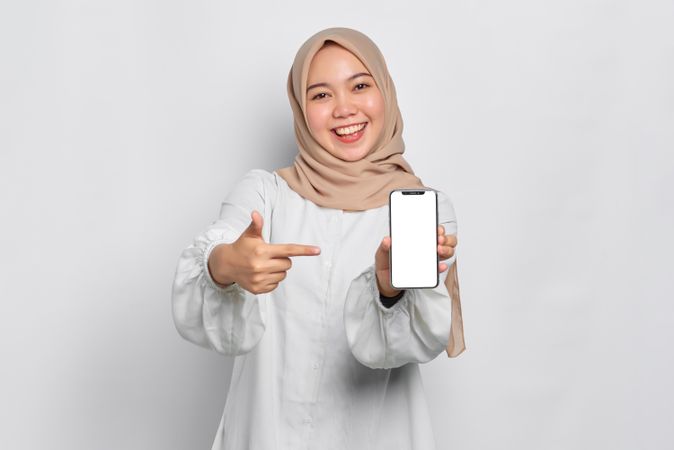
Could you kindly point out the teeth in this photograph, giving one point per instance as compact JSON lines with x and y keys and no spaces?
{"x":349,"y":130}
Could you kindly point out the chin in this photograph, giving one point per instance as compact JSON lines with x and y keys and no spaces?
{"x":351,"y":156}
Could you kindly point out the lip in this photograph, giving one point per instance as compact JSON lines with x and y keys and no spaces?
{"x":352,"y":137}
{"x":347,"y":125}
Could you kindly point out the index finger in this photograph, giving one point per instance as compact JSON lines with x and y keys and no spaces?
{"x":285,"y":250}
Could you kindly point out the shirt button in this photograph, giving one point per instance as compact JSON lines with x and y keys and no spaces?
{"x":307,"y":420}
{"x":315,"y":366}
{"x":328,"y":264}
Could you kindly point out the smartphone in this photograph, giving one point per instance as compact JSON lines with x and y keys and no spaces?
{"x":413,"y":227}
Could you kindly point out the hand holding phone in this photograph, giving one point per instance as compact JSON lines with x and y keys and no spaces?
{"x":445,"y":249}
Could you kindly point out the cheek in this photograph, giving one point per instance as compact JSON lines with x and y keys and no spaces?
{"x":375,"y":107}
{"x":317,"y":119}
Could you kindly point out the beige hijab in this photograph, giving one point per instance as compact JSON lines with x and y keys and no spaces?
{"x":356,"y":185}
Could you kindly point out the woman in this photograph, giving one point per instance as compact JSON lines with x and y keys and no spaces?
{"x":326,"y":350}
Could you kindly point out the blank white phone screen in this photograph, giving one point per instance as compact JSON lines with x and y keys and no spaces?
{"x":414,"y":238}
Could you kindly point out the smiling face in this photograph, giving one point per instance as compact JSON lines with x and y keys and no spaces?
{"x":345,"y":109}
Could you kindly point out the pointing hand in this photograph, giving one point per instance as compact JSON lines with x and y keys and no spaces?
{"x":252,"y":263}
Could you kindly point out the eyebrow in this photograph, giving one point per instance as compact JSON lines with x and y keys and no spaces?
{"x":360,"y":74}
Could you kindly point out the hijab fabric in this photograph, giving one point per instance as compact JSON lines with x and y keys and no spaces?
{"x":331,"y":182}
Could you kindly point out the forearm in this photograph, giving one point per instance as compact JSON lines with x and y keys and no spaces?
{"x":415,"y":329}
{"x":224,"y":318}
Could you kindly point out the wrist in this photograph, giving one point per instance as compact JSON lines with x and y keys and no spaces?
{"x":387,"y":292}
{"x":215,"y":263}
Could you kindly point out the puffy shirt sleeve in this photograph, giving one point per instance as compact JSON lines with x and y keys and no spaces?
{"x":228,"y":319}
{"x":415,"y":329}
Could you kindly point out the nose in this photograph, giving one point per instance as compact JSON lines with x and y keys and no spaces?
{"x":344,"y":107}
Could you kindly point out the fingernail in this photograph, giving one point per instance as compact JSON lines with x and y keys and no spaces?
{"x":317,"y":250}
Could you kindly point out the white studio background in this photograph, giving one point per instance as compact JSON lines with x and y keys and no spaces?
{"x":550,"y":125}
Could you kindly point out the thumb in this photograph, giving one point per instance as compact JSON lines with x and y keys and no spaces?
{"x":381,"y":256}
{"x":255,"y":227}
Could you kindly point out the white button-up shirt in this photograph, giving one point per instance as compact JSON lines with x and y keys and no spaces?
{"x":319,"y":363}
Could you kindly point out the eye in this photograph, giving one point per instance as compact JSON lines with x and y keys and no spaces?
{"x":361,"y":86}
{"x":319,"y":96}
